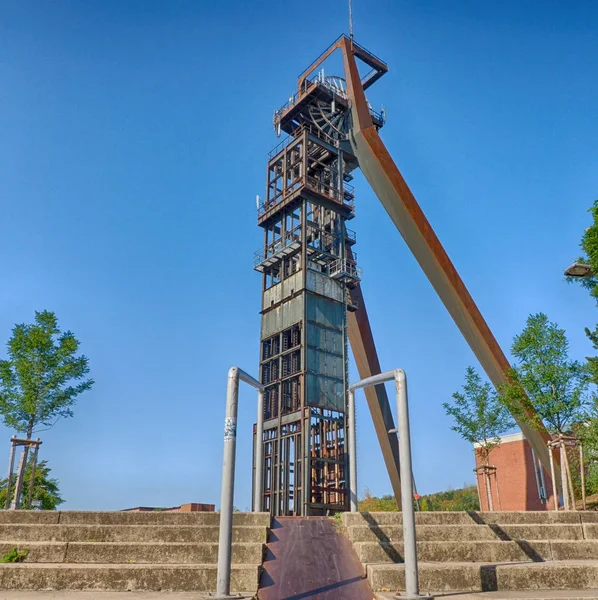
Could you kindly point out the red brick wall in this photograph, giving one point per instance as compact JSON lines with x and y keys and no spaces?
{"x":514,"y":478}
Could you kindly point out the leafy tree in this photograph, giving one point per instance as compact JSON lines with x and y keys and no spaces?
{"x":454,"y":500}
{"x":371,"y":503}
{"x":449,"y":500}
{"x":480,"y":418}
{"x":36,"y":381}
{"x":555,"y":385}
{"x":588,"y":433}
{"x":45,"y":488}
{"x":589,"y":246}
{"x":478,"y":414}
{"x":41,"y":378}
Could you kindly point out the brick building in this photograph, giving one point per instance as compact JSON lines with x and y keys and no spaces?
{"x":191,"y":507}
{"x":519,"y":482}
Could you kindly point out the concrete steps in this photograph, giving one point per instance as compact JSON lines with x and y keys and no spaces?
{"x":118,"y":552}
{"x":127,"y":533}
{"x":485,"y":577}
{"x":132,"y":552}
{"x":427,"y":533}
{"x":480,"y":552}
{"x":474,"y":518}
{"x":100,"y":577}
{"x":494,"y":551}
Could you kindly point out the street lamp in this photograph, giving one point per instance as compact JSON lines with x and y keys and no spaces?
{"x":579,"y":270}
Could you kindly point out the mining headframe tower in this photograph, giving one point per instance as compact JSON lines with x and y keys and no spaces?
{"x":312,"y":304}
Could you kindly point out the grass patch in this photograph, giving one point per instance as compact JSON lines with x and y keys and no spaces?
{"x":14,"y":556}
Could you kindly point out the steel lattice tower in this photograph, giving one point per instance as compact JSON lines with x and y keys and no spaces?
{"x":308,"y":268}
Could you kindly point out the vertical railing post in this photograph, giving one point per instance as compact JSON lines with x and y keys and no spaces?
{"x":352,"y":452}
{"x":228,"y":473}
{"x":258,"y":484}
{"x":409,"y":539}
{"x":406,"y":471}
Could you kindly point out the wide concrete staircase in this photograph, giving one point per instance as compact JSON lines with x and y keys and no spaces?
{"x":125,"y":551}
{"x":475,"y":552}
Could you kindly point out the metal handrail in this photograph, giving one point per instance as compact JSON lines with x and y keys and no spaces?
{"x":225,"y":535}
{"x":317,"y":133}
{"x":273,"y":247}
{"x":293,"y":99}
{"x":344,"y":266}
{"x":281,"y":146}
{"x":297,"y":132}
{"x":315,"y":185}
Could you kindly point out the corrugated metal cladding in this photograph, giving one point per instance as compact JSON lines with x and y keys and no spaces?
{"x":325,"y":353}
{"x":323,"y":285}
{"x":324,"y":392}
{"x":285,"y":289}
{"x":282,"y":316}
{"x":328,"y":340}
{"x":325,"y":312}
{"x":324,"y":363}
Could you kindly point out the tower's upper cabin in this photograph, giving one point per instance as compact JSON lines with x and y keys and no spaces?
{"x":322,"y":106}
{"x":316,"y":159}
{"x":321,"y":102}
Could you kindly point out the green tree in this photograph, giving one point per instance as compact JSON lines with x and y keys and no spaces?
{"x":45,"y":489}
{"x":587,"y":431}
{"x":589,"y":246}
{"x":41,"y":378}
{"x":371,"y":503}
{"x":479,"y":418}
{"x":454,"y":500}
{"x":450,"y":500}
{"x":555,"y":385}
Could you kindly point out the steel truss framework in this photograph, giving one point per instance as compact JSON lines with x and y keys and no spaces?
{"x":312,"y":302}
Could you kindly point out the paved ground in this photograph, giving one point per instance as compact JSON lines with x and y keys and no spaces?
{"x":535,"y":595}
{"x":71,"y":595}
{"x":67,"y":595}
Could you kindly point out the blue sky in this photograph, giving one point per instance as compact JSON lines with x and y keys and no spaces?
{"x":134,"y":138}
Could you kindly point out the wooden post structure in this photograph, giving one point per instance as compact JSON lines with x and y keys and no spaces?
{"x":27,"y":444}
{"x":11,"y":463}
{"x":33,"y":467}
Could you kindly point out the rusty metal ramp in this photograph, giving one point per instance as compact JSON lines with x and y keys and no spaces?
{"x":308,"y":557}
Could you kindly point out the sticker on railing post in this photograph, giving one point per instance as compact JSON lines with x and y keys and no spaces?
{"x":230,"y":428}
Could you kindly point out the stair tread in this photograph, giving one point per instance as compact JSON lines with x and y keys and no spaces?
{"x":451,"y":565}
{"x":138,"y":566}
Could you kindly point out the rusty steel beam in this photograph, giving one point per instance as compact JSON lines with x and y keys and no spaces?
{"x":378,"y":67}
{"x":387,"y":182}
{"x":366,"y":360}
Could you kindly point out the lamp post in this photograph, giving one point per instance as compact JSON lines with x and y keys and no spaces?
{"x":579,"y":271}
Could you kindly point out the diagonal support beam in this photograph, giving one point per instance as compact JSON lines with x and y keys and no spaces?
{"x":366,"y":360}
{"x":393,"y":192}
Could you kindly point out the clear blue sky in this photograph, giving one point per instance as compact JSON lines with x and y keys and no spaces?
{"x":134,"y":138}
